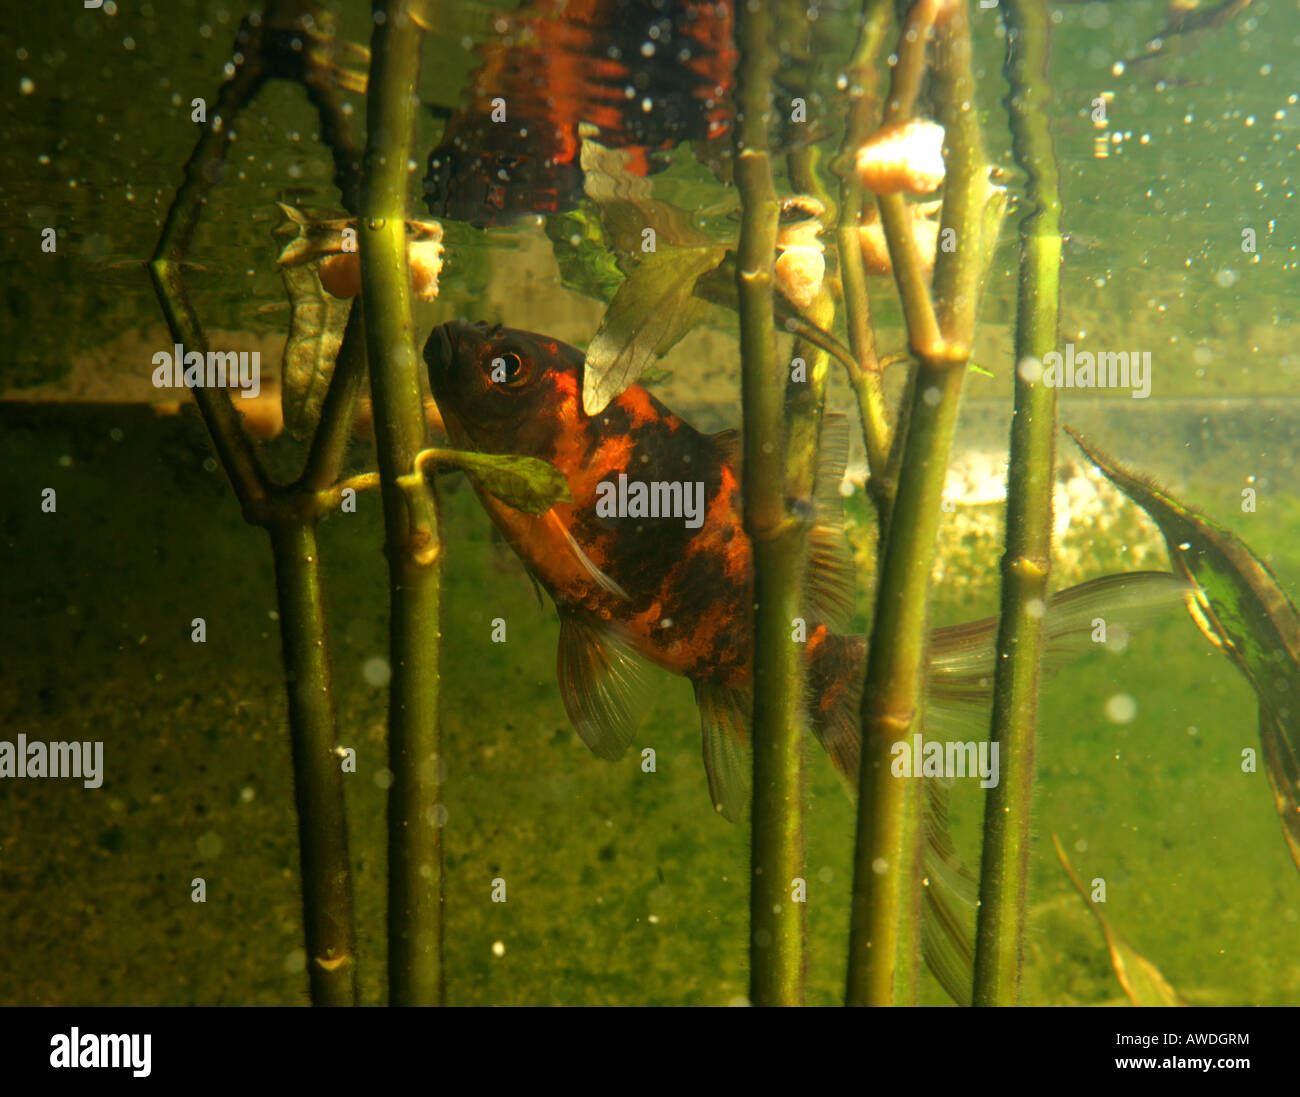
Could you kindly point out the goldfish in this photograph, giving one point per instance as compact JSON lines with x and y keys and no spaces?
{"x":664,"y":576}
{"x":641,"y":75}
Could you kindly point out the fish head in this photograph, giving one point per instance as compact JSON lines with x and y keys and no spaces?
{"x":505,"y":391}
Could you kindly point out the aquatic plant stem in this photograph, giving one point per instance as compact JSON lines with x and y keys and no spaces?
{"x":339,"y":411}
{"x":318,"y":783}
{"x":776,"y":922}
{"x":866,"y":381}
{"x":322,"y":833}
{"x":884,"y":936}
{"x":1027,"y":559}
{"x":412,"y":542}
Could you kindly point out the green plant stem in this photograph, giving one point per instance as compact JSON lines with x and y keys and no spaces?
{"x":1027,"y":559}
{"x":339,"y":411}
{"x":322,"y":831}
{"x":776,"y":923}
{"x":884,"y":936}
{"x":412,"y":541}
{"x":203,"y":167}
{"x":317,"y":775}
{"x":866,"y":381}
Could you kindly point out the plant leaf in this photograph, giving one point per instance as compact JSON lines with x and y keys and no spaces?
{"x":582,"y":253}
{"x":525,"y":483}
{"x":1241,"y":610}
{"x":652,"y":309}
{"x":628,"y":206}
{"x":718,"y":287}
{"x":1139,"y":977}
{"x":316,"y":323}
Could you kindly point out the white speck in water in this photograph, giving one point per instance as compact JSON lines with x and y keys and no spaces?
{"x":879,"y":866}
{"x":376,"y":671}
{"x":1030,"y":370}
{"x":296,"y":962}
{"x":498,"y":948}
{"x":1121,"y":709}
{"x":383,"y":778}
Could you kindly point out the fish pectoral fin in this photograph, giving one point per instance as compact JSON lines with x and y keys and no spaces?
{"x":724,"y":720}
{"x":604,"y":684}
{"x":597,"y":576}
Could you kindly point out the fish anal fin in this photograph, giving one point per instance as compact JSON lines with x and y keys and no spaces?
{"x":724,"y":721}
{"x":605,"y":685}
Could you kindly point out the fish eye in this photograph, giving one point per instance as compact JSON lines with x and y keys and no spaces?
{"x":507,"y":369}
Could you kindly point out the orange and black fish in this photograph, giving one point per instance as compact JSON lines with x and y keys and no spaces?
{"x":646,"y":75}
{"x":671,"y":580}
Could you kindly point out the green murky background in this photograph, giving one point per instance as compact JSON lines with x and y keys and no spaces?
{"x":623,"y":887}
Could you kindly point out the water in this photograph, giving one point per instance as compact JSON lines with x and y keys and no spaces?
{"x":623,"y":887}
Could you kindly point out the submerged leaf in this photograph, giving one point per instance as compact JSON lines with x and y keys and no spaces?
{"x":582,"y":253}
{"x":718,"y":287}
{"x":1139,"y":977}
{"x":627,"y":204}
{"x":1242,"y":611}
{"x":316,"y":323}
{"x":653,"y":309}
{"x":525,"y":483}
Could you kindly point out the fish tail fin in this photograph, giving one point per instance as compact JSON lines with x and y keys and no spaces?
{"x":835,"y":671}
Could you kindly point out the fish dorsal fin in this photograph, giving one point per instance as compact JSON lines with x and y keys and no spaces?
{"x":604,"y":684}
{"x":730,"y":449}
{"x":724,"y":720}
{"x":830,"y":587}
